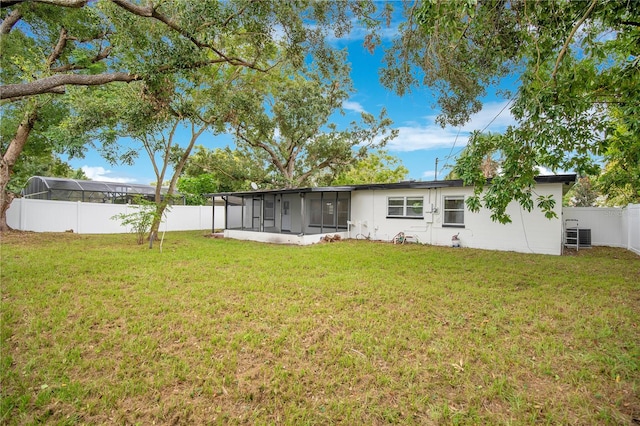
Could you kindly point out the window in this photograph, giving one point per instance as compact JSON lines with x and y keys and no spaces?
{"x":453,"y":211}
{"x":409,"y":207}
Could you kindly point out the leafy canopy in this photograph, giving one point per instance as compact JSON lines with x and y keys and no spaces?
{"x":574,"y":63}
{"x":286,"y":123}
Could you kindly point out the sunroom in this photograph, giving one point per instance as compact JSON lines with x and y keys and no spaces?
{"x":292,"y":212}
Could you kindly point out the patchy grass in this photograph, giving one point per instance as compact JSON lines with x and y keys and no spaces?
{"x":96,"y":329}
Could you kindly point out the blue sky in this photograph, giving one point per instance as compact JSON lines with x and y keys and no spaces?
{"x":419,"y":143}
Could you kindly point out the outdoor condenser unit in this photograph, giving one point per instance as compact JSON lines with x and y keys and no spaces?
{"x":576,"y":237}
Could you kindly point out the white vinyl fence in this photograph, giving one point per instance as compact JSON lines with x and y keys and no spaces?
{"x":610,"y":226}
{"x":93,"y":218}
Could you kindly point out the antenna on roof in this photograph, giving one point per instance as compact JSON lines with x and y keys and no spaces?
{"x":254,"y":186}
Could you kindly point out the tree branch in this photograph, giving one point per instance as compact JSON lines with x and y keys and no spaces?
{"x":63,"y":3}
{"x":151,"y":12}
{"x":272,"y":154}
{"x":8,"y":22}
{"x":631,"y":23}
{"x":60,"y":90}
{"x":71,"y":67}
{"x":48,"y":84}
{"x":575,"y":28}
{"x":57,"y":51}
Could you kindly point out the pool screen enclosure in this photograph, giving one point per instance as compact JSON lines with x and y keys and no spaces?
{"x":89,"y":191}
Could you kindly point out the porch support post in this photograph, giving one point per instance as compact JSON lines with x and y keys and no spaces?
{"x":213,"y":214}
{"x":322,"y":212}
{"x":261,"y":226}
{"x":242,"y":213}
{"x":279,"y":203}
{"x":302,"y":215}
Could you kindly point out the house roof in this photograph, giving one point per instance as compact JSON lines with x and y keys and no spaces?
{"x":412,"y":184}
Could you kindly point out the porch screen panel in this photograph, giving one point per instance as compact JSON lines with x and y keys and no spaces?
{"x":269,"y":212}
{"x":234,"y":213}
{"x":314,"y":210}
{"x":343,"y":209}
{"x":329,"y":212}
{"x":256,"y":210}
{"x":247,"y":213}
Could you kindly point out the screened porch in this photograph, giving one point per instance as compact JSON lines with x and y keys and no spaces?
{"x":301,"y":211}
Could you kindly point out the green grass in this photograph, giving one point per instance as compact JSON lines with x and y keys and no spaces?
{"x":96,"y":329}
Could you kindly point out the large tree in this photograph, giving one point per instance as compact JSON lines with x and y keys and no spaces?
{"x":573,"y":61}
{"x":288,"y":122}
{"x":50,"y":45}
{"x":376,"y":167}
{"x":230,"y":169}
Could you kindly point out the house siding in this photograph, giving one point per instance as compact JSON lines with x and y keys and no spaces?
{"x":529,"y":232}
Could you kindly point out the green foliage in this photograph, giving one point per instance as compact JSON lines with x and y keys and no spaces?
{"x":232,"y":169}
{"x":286,"y":123}
{"x":575,"y":63}
{"x":185,"y":57}
{"x":141,"y":219}
{"x":194,"y":188}
{"x":40,"y":155}
{"x":583,"y":194}
{"x":620,"y":179}
{"x":376,"y":167}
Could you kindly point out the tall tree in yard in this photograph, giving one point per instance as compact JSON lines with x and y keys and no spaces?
{"x":376,"y":167}
{"x":50,"y":46}
{"x":36,"y":43}
{"x":286,"y":122}
{"x":575,"y":63}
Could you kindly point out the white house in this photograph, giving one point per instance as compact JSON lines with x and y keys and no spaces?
{"x":426,"y":212}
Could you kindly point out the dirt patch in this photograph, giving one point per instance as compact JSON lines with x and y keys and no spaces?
{"x":215,"y":235}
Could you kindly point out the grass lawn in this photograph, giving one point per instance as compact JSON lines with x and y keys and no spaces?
{"x":96,"y":329}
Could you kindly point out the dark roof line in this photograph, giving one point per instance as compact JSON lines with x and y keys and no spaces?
{"x":564,"y":178}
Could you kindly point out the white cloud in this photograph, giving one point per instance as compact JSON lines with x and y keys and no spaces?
{"x":101,"y":174}
{"x":494,"y":116}
{"x":542,"y":171}
{"x":353,"y":106}
{"x":429,"y":174}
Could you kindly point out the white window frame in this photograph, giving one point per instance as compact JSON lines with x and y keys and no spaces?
{"x":405,"y":206}
{"x":445,"y":210}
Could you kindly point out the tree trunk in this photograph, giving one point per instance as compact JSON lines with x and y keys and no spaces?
{"x":155,"y":226}
{"x":9,"y":159}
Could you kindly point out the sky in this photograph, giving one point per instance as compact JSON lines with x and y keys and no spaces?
{"x":420,"y":140}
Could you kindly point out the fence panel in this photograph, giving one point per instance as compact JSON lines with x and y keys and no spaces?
{"x":606,"y":224}
{"x":633,"y":227}
{"x":95,"y":218}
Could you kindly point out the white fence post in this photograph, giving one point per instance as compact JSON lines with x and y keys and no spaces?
{"x":633,"y":228}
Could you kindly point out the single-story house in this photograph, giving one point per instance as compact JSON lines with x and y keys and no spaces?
{"x":426,"y":212}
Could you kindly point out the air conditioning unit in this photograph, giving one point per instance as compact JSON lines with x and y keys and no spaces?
{"x":576,"y":237}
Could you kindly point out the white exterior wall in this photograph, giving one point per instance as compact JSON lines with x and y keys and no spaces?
{"x":528,"y":233}
{"x":93,"y":218}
